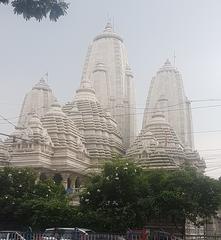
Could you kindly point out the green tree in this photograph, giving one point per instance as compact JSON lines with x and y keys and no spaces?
{"x":110,"y":199}
{"x":124,"y":196}
{"x":171,"y":197}
{"x":38,"y":9}
{"x":24,"y":201}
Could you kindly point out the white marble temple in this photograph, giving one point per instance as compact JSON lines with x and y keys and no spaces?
{"x":166,"y":93}
{"x":106,"y":66}
{"x":102,"y":137}
{"x":38,"y":101}
{"x":157,"y":146}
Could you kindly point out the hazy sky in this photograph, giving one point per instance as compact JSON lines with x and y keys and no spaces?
{"x":152,"y":30}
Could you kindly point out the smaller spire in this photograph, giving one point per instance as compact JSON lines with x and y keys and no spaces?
{"x":55,"y":109}
{"x":34,"y":121}
{"x":86,"y":91}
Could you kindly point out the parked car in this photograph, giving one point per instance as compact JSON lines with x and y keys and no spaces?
{"x":11,"y":235}
{"x":66,"y":233}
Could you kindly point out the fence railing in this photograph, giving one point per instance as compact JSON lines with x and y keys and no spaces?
{"x":100,"y":236}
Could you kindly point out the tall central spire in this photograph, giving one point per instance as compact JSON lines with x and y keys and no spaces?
{"x":106,"y":67}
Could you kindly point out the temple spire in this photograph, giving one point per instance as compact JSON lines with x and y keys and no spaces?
{"x":106,"y":67}
{"x":37,"y":100}
{"x":85,"y":91}
{"x":167,"y":86}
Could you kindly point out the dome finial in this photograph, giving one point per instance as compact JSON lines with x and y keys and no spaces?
{"x":108,"y":27}
{"x":167,"y":63}
{"x":42,"y":83}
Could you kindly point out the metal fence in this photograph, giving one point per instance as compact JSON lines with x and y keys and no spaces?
{"x":202,"y":237}
{"x":12,"y":235}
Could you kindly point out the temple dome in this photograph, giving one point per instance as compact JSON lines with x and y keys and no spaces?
{"x":34,"y":121}
{"x":33,"y":134}
{"x":157,"y":146}
{"x":55,"y":110}
{"x":103,"y":140}
{"x":37,"y":133}
{"x":60,"y":128}
{"x":69,"y":143}
{"x":38,"y":101}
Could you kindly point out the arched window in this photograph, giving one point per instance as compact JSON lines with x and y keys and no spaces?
{"x":77,"y":183}
{"x":57,"y":178}
{"x":69,"y":183}
{"x":43,"y":177}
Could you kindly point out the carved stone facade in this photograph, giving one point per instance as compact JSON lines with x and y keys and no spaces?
{"x":103,"y":139}
{"x":166,"y":93}
{"x":106,"y":67}
{"x":38,"y":101}
{"x":100,"y":121}
{"x":71,"y":141}
{"x":157,"y":146}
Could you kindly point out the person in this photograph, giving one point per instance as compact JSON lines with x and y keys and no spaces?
{"x":29,"y":233}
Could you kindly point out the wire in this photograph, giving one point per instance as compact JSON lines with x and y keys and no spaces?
{"x":8,"y":135}
{"x":7,"y":120}
{"x":173,"y":105}
{"x":169,"y":110}
{"x":197,"y":100}
{"x":183,"y":133}
{"x":211,"y":149}
{"x":26,"y":114}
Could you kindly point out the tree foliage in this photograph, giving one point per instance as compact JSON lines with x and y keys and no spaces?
{"x":24,"y":201}
{"x":111,"y":197}
{"x":39,"y":9}
{"x":124,"y":196}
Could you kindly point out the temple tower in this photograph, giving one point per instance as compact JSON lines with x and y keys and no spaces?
{"x":158,"y":146}
{"x":106,"y":67}
{"x":166,"y":93}
{"x":38,"y":101}
{"x":103,"y":139}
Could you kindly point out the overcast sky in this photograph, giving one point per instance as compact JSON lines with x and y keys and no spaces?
{"x":152,"y":30}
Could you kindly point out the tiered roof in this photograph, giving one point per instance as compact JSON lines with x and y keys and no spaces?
{"x":158,"y":146}
{"x":102,"y":136}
